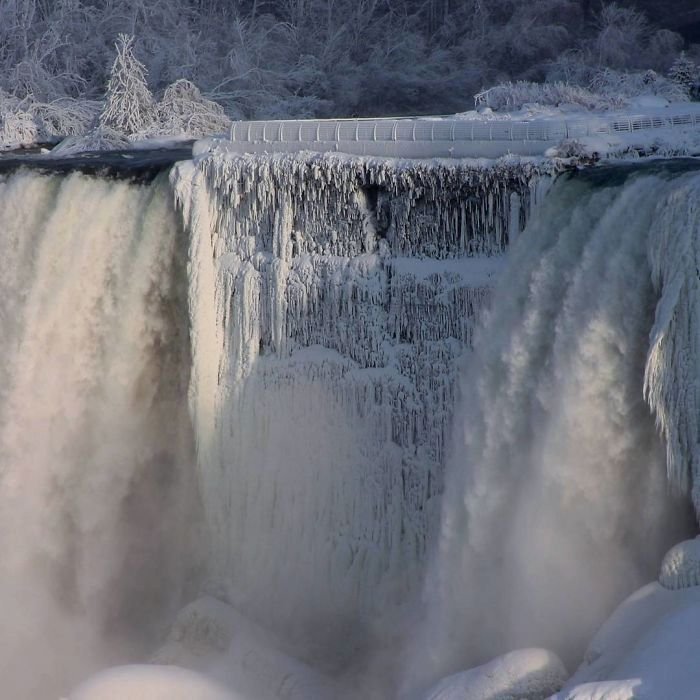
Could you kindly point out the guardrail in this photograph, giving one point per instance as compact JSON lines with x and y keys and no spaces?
{"x":448,"y":136}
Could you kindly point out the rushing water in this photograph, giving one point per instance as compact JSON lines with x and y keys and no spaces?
{"x":97,"y":495}
{"x":242,"y":382}
{"x":557,"y":501}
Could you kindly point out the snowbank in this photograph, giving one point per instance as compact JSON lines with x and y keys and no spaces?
{"x":150,"y":683}
{"x":526,"y":674}
{"x":649,"y":647}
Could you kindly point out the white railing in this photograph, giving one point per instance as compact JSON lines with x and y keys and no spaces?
{"x":446,"y":136}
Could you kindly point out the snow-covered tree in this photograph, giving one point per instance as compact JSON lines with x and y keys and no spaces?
{"x":684,"y":72}
{"x":184,"y":111}
{"x":129,"y":105}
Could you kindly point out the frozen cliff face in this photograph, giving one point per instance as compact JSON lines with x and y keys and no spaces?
{"x":331,"y":299}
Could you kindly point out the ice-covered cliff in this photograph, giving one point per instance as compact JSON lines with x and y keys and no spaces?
{"x":331,"y":301}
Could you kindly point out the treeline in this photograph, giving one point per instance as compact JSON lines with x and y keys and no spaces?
{"x":282,"y":58}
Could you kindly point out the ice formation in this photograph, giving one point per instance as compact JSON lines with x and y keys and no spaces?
{"x":681,"y":566}
{"x":673,"y":367}
{"x":331,"y":299}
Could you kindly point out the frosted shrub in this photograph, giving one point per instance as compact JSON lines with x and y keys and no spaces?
{"x":17,"y":128}
{"x":64,"y":117}
{"x":512,"y":96}
{"x":183,"y":110}
{"x":612,"y":84}
{"x":129,"y":107}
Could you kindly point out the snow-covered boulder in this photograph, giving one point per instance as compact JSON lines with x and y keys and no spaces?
{"x":647,"y":650}
{"x":526,"y":674}
{"x":213,"y":638}
{"x":681,"y":566}
{"x":151,"y":683}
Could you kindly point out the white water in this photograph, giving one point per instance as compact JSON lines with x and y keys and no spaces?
{"x":325,"y":347}
{"x":556,"y":502}
{"x":96,"y":497}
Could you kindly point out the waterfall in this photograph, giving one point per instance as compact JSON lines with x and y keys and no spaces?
{"x":556,"y":502}
{"x":98,"y":506}
{"x":402,"y":416}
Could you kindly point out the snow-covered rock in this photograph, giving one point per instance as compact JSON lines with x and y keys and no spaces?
{"x":605,"y":690}
{"x":681,"y":566}
{"x":526,"y":674}
{"x":216,"y":640}
{"x":141,"y":682}
{"x":647,"y":650}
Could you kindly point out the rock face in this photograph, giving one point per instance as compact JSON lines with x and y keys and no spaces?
{"x":526,"y":674}
{"x":681,"y":566}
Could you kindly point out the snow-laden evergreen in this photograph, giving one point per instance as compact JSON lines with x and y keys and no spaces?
{"x":331,"y":301}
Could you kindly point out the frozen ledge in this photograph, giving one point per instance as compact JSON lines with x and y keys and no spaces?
{"x":450,"y":137}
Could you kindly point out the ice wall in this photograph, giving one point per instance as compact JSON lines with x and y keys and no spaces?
{"x":97,"y":503}
{"x":331,"y":301}
{"x":556,"y":503}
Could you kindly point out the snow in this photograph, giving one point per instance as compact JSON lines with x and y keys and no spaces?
{"x":526,"y":674}
{"x":648,"y":649}
{"x":142,"y":682}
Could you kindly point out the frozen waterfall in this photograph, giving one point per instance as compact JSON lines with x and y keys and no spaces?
{"x":331,"y":301}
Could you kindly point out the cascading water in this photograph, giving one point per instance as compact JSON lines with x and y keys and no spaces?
{"x":328,"y":303}
{"x":556,"y":502}
{"x":97,"y":499}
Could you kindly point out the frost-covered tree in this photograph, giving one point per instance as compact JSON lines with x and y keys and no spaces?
{"x":184,"y":111}
{"x":129,"y":105}
{"x":287,"y":58}
{"x":684,"y":72}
